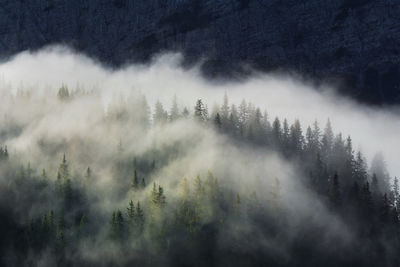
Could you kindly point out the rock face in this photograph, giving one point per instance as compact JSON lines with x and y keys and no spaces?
{"x":357,"y":41}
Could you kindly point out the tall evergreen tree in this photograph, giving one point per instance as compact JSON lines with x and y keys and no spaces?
{"x":327,"y":142}
{"x":160,"y":115}
{"x":277,"y":133}
{"x":217,"y":121}
{"x":199,"y":111}
{"x":335,"y":195}
{"x":174,"y":113}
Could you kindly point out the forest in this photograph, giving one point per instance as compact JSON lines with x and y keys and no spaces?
{"x":126,"y":184}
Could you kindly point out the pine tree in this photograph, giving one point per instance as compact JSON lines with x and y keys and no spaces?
{"x":199,"y":111}
{"x":51,"y":222}
{"x":385,"y":209}
{"x":349,"y":161}
{"x":184,"y":190}
{"x":335,"y":196}
{"x":131,"y":211}
{"x":375,"y":187}
{"x":63,"y":169}
{"x":327,"y":142}
{"x":139,"y":217}
{"x":174,"y":113}
{"x":67,"y":193}
{"x":160,"y":115}
{"x":88,"y":174}
{"x":366,"y":201}
{"x":63,"y":93}
{"x":198,"y":188}
{"x":277,"y":133}
{"x":44,"y":228}
{"x":316,"y":136}
{"x":60,"y":229}
{"x":113,"y":228}
{"x":296,"y":138}
{"x":157,"y":197}
{"x":225,"y":109}
{"x":117,"y":225}
{"x":233,"y":123}
{"x":135,"y":180}
{"x":217,"y":121}
{"x":185,"y":112}
{"x":285,"y":137}
{"x":360,"y":169}
{"x":396,"y":194}
{"x":378,"y":166}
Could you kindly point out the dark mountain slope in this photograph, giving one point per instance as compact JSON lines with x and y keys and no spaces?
{"x":355,"y":41}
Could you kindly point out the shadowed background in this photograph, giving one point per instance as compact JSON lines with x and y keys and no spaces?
{"x":354,"y":44}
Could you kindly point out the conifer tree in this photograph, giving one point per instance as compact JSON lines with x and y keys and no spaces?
{"x":51,"y":222}
{"x":160,"y":115}
{"x":174,"y":113}
{"x":67,"y":193}
{"x":360,"y":169}
{"x":396,"y":193}
{"x":217,"y":121}
{"x":335,"y":196}
{"x":200,"y":111}
{"x":327,"y":142}
{"x":185,"y":112}
{"x":225,"y":109}
{"x":135,"y":180}
{"x":139,"y":217}
{"x":385,"y":209}
{"x":277,"y":133}
{"x":88,"y":174}
{"x":44,"y":227}
{"x":131,"y":212}
{"x":296,"y":138}
{"x":60,"y":229}
{"x":198,"y":188}
{"x":367,"y":202}
{"x":285,"y":137}
{"x":63,"y":169}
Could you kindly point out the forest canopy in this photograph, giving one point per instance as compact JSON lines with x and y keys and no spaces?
{"x":84,"y":184}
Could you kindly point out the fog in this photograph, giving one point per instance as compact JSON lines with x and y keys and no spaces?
{"x":373,"y":128}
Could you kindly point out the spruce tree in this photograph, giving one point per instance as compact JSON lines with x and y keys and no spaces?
{"x":277,"y":133}
{"x":335,"y":196}
{"x":199,"y":111}
{"x":217,"y":121}
{"x":139,"y":217}
{"x":131,"y":211}
{"x":135,"y":180}
{"x":174,"y":113}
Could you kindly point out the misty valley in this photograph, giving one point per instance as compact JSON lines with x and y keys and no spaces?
{"x":126,"y":183}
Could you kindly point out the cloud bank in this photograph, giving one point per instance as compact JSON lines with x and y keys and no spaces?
{"x":372,"y":129}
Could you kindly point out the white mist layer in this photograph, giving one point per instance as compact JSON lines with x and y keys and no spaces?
{"x":372,"y":129}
